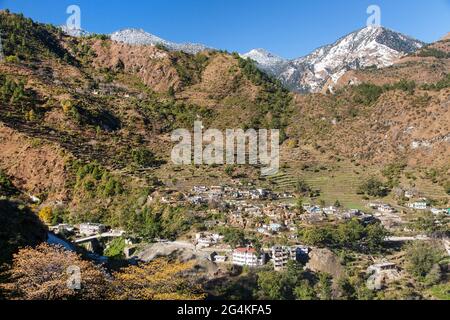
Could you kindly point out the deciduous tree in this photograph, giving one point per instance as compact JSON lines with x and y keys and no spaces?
{"x":51,"y":273}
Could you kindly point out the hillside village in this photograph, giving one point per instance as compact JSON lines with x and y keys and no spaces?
{"x":267,"y":214}
{"x":359,"y":210}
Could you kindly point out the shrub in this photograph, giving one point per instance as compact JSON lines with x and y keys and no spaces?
{"x":143,"y":157}
{"x":393,"y":173}
{"x":66,"y":105}
{"x":404,"y":85}
{"x":115,"y":249}
{"x":433,"y":52}
{"x":374,"y":188}
{"x":441,"y":84}
{"x":420,"y":259}
{"x":367,"y":93}
{"x":46,"y":214}
{"x":12,"y":59}
{"x":7,"y":188}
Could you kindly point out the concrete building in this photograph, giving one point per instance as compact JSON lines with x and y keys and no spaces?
{"x":90,"y":229}
{"x":382,"y":274}
{"x":248,"y":257}
{"x":280,"y":257}
{"x":419,"y":205}
{"x":206,"y":239}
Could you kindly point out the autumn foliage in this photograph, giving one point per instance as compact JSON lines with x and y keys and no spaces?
{"x":46,"y":214}
{"x":42,"y":274}
{"x":158,"y":280}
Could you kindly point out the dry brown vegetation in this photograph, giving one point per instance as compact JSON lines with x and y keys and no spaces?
{"x":107,"y":99}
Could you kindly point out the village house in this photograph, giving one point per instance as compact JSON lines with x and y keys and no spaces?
{"x":248,"y":257}
{"x":385,"y":208}
{"x":314,"y":210}
{"x":382,"y":207}
{"x":275,"y":227}
{"x":285,"y":195}
{"x":409,"y":194}
{"x":419,"y":205}
{"x":200,"y":189}
{"x":253,"y":210}
{"x":216,"y":192}
{"x":280,"y":258}
{"x":350,"y":214}
{"x":330,"y":210}
{"x":197,"y":200}
{"x":205,"y":239}
{"x":264,"y":231}
{"x":281,"y":255}
{"x":382,"y":274}
{"x":62,"y":229}
{"x":236,"y":220}
{"x":299,"y":252}
{"x":437,"y":211}
{"x":217,"y":258}
{"x":91,"y":229}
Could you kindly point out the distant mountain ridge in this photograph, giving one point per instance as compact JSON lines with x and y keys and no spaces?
{"x":370,"y":46}
{"x":140,"y":37}
{"x":367,"y":47}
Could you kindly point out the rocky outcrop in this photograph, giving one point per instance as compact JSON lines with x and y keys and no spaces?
{"x":325,"y":261}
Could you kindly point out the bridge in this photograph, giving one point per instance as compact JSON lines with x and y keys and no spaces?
{"x":112,"y":234}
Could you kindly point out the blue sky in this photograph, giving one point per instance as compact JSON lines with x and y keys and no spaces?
{"x":289,"y":28}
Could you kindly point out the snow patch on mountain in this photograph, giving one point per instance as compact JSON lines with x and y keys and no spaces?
{"x":74,"y":32}
{"x":266,"y":61}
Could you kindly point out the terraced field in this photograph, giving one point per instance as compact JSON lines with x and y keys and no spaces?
{"x":337,"y":182}
{"x":341,"y":181}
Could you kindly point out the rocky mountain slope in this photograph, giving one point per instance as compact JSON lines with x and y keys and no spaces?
{"x":370,"y":46}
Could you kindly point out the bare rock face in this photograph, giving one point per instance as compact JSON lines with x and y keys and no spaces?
{"x":325,"y":261}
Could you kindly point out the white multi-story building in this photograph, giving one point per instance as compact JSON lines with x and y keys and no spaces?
{"x":248,"y":257}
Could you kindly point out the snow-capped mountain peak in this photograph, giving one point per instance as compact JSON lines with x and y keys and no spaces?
{"x":140,"y":37}
{"x":263,"y":57}
{"x":370,"y":46}
{"x":136,"y":37}
{"x":265,"y":60}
